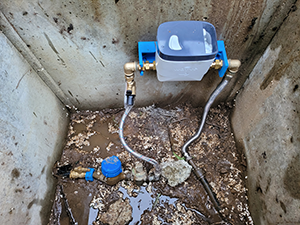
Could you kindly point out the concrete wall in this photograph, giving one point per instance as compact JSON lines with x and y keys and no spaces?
{"x":83,"y":45}
{"x":266,"y":123}
{"x":33,"y":125}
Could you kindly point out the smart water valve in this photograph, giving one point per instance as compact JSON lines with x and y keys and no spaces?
{"x":185,"y":50}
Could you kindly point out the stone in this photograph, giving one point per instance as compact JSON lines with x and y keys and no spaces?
{"x":176,"y":171}
{"x":119,"y":212}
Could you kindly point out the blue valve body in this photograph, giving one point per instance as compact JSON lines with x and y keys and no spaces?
{"x":89,"y":175}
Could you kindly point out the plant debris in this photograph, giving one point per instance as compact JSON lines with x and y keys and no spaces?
{"x":160,"y":134}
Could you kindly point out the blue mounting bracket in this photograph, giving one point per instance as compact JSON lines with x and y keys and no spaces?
{"x":146,"y":50}
{"x":222,"y":55}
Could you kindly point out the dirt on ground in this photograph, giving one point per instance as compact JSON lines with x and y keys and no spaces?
{"x":158,"y":133}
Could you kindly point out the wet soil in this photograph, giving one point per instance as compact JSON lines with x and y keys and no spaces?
{"x":160,"y":134}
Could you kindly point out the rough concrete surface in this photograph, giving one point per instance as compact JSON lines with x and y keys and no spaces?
{"x":32,"y":130}
{"x":84,"y":45}
{"x":266,"y":124}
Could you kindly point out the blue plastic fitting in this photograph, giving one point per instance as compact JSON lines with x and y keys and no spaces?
{"x":89,"y":175}
{"x":146,"y":51}
{"x":111,"y":166}
{"x":222,"y":55}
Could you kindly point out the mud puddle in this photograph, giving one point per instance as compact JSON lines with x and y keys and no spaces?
{"x":144,"y":201}
{"x":147,"y":201}
{"x":160,"y":134}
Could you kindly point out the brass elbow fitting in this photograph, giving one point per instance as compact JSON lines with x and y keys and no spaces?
{"x":234,"y":65}
{"x":130,"y":67}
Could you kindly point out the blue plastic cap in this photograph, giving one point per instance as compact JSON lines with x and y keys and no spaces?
{"x":111,"y":166}
{"x":89,"y":175}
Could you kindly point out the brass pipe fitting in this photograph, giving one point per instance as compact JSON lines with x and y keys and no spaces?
{"x":78,"y":172}
{"x":147,"y":66}
{"x":139,"y":173}
{"x":217,"y":64}
{"x":234,"y":65}
{"x":110,"y":180}
{"x":130,"y":83}
{"x":129,"y":69}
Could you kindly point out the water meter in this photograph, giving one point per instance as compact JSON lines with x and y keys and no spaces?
{"x":185,"y":50}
